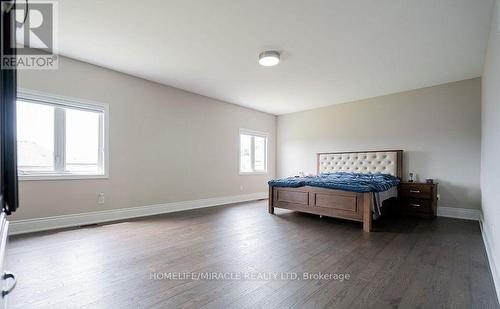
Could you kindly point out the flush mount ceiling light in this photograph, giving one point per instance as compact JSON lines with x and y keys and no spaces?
{"x":269,"y":58}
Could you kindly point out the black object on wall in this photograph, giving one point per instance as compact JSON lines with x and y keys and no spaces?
{"x":8,"y":135}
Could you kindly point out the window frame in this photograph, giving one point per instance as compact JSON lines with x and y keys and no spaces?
{"x":253,"y":134}
{"x":39,"y":97}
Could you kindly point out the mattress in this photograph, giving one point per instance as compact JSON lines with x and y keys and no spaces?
{"x":354,"y":182}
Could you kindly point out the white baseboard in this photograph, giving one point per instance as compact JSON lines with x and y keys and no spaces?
{"x":49,"y":223}
{"x":491,"y":258}
{"x":56,"y":222}
{"x":459,"y":213}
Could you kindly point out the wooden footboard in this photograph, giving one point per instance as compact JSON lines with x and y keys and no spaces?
{"x":327,"y":202}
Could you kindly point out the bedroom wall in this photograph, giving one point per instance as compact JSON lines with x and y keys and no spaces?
{"x":166,"y":145}
{"x":438,"y":127}
{"x":490,"y":152}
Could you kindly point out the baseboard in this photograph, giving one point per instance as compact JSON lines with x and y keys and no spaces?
{"x":491,"y":258}
{"x":459,"y":213}
{"x":56,"y":222}
{"x":50,"y":223}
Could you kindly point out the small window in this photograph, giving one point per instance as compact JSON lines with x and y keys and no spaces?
{"x":253,"y":152}
{"x":60,"y":138}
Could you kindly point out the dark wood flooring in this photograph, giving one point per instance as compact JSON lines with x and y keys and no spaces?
{"x":404,"y":263}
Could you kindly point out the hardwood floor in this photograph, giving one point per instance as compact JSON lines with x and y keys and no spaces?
{"x":405,"y":263}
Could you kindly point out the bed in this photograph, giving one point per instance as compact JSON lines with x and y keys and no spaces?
{"x":348,"y":200}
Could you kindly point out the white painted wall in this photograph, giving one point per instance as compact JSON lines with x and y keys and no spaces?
{"x":166,"y":145}
{"x":438,"y":127}
{"x":490,"y":149}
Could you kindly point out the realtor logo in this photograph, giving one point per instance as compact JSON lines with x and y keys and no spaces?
{"x":36,"y":36}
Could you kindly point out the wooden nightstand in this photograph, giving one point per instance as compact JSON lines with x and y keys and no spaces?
{"x":418,"y":199}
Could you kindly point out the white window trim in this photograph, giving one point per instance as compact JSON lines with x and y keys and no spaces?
{"x":266,"y":159}
{"x":40,"y":97}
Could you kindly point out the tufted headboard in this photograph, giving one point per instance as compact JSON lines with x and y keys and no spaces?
{"x":383,"y":161}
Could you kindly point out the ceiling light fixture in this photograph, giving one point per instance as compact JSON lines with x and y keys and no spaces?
{"x":269,"y":58}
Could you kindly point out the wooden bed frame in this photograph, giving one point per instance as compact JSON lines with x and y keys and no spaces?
{"x":329,"y":202}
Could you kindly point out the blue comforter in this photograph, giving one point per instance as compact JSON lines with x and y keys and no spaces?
{"x":341,"y":181}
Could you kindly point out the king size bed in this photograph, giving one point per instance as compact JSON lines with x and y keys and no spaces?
{"x":349,"y":185}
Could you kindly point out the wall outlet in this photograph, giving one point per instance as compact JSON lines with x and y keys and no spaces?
{"x":241,"y":188}
{"x":100,"y":198}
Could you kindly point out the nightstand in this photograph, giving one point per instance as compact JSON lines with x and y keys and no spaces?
{"x":418,"y":199}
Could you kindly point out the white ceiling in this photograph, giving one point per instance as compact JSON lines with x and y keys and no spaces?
{"x":333,"y":51}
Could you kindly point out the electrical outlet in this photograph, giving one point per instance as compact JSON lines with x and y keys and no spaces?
{"x":100,"y":198}
{"x":241,"y":188}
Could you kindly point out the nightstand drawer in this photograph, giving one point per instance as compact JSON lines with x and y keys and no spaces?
{"x":416,"y":191}
{"x":417,"y":205}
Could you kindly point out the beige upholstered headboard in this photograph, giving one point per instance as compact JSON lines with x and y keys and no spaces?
{"x":383,"y":161}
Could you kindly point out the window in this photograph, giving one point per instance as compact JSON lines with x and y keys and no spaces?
{"x":60,"y":137}
{"x":253,"y":152}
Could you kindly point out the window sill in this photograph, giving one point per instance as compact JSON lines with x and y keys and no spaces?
{"x":252,"y":173}
{"x":60,"y":177}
